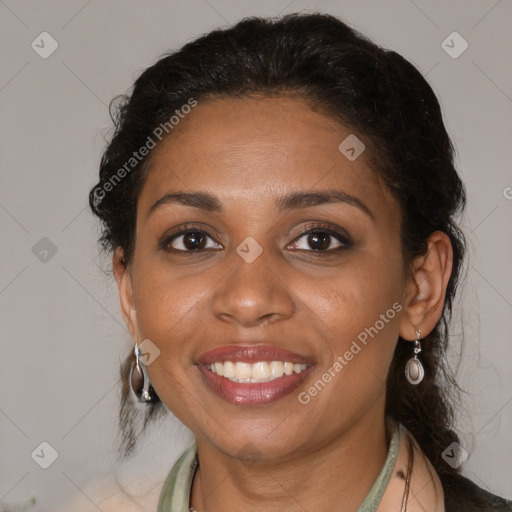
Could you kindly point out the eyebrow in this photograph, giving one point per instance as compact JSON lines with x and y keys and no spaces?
{"x":292,"y":201}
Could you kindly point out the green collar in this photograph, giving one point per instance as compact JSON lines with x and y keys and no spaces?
{"x":175,"y":496}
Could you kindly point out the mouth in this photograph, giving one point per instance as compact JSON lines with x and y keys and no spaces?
{"x":253,"y":375}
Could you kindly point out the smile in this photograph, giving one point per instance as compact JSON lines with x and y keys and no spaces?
{"x":253,"y":374}
{"x":261,"y":371}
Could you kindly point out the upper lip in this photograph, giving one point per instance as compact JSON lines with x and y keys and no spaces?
{"x":251,"y":354}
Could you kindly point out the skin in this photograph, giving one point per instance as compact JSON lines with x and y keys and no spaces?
{"x":248,"y":153}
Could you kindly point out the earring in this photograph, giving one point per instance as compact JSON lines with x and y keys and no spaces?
{"x":139,"y":380}
{"x":414,"y":371}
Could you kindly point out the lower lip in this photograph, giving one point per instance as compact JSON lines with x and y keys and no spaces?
{"x":253,"y":393}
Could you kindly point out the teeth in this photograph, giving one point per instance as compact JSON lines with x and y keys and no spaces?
{"x":229,"y":369}
{"x":276,"y":369}
{"x":219,"y":369}
{"x":243,"y":370}
{"x":262,"y":371}
{"x":288,"y":368}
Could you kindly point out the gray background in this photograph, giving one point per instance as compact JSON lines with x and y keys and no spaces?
{"x":62,"y":334}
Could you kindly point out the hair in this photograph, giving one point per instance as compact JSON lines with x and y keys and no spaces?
{"x":371,"y":90}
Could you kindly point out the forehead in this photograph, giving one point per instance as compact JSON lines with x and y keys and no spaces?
{"x":253,"y":149}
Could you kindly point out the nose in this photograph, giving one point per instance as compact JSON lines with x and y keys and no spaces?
{"x":253,"y":293}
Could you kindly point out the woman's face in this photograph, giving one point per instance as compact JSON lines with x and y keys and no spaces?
{"x":254,"y":279}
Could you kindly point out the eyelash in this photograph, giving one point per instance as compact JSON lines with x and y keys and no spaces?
{"x":325,"y":228}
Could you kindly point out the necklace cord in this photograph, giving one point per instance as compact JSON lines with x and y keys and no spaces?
{"x":408,"y":477}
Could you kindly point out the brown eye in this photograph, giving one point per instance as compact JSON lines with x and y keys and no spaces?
{"x":320,"y":240}
{"x":194,"y":241}
{"x":189,"y":241}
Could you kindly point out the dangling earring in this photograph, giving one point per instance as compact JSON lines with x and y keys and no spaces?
{"x":414,"y":371}
{"x":139,"y":380}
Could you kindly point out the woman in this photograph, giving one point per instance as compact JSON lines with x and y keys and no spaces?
{"x":281,"y":203}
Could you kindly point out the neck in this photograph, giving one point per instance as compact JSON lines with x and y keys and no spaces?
{"x":340,"y":472}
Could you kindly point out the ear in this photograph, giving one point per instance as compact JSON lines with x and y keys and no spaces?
{"x":123,"y":274}
{"x":425,"y":289}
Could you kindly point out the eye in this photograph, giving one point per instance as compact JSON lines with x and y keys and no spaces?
{"x":189,"y":240}
{"x":321,"y":238}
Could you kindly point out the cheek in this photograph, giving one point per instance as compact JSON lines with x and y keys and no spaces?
{"x":356,"y":295}
{"x":167,"y":306}
{"x":360,"y":309}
